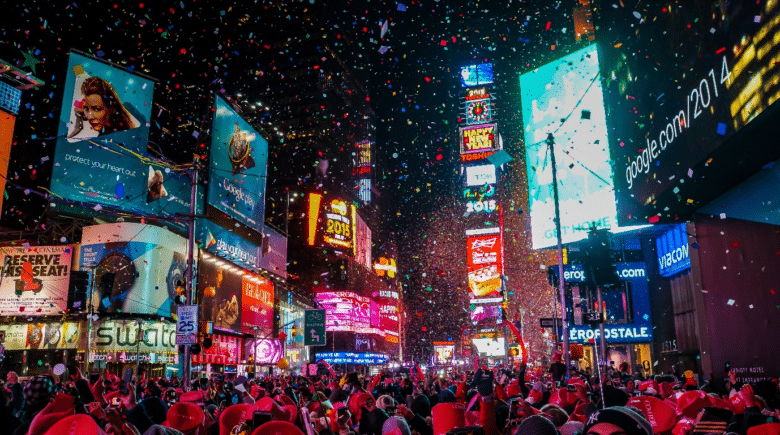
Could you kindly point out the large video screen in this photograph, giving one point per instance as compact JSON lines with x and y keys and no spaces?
{"x":705,"y":71}
{"x":103,"y":131}
{"x":567,"y":89}
{"x":485,"y":265}
{"x":237,"y":167}
{"x":476,"y":75}
{"x":346,"y":311}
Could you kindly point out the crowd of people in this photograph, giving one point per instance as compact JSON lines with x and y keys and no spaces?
{"x":485,"y":401}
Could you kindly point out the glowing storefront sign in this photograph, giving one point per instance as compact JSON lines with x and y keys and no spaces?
{"x":673,"y":252}
{"x":346,"y":311}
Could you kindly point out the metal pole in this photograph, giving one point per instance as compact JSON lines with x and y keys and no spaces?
{"x":138,"y":349}
{"x":190,"y":265}
{"x":564,"y":326}
{"x":88,"y":353}
{"x":254,"y":353}
{"x":602,"y":341}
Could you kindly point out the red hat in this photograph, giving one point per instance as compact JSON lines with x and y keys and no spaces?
{"x":184,"y":417}
{"x":666,"y":389}
{"x":284,"y":399}
{"x":691,"y":402}
{"x":81,"y":424}
{"x":277,"y":428}
{"x":536,"y":395}
{"x":513,"y":390}
{"x":446,"y":416}
{"x":562,"y":398}
{"x":723,"y":404}
{"x":765,"y":429}
{"x":650,"y":383}
{"x":356,"y":403}
{"x":233,"y":415}
{"x":264,"y":404}
{"x":557,"y":356}
{"x":471,"y":418}
{"x":284,"y":413}
{"x":737,"y":403}
{"x":194,"y":396}
{"x":661,"y":416}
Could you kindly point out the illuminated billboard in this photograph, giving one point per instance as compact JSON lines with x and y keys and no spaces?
{"x":35,"y":280}
{"x":346,"y":311}
{"x":237,"y":167}
{"x":673,"y":133}
{"x":569,"y":85}
{"x":480,"y":175}
{"x":127,"y":250}
{"x":484,"y":314}
{"x":7,"y":122}
{"x":331,"y":222}
{"x":443,"y":352}
{"x":489,"y":346}
{"x":478,"y":138}
{"x":101,"y":154}
{"x":476,"y":75}
{"x":485,"y":265}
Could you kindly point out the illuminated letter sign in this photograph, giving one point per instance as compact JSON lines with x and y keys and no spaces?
{"x":480,"y":175}
{"x":477,"y":138}
{"x":385,"y":265}
{"x":338,"y":224}
{"x":673,"y":254}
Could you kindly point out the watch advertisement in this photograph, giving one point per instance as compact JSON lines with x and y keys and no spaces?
{"x":35,"y":280}
{"x":56,"y":335}
{"x":237,"y":167}
{"x":137,"y":268}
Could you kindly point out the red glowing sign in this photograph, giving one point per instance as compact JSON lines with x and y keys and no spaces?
{"x":485,"y":265}
{"x":257,"y":303}
{"x":346,"y":311}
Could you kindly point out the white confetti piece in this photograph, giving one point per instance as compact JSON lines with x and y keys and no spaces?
{"x":731,"y":302}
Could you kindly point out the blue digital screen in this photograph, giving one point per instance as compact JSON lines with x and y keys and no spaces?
{"x":10,"y":98}
{"x":352,"y":358}
{"x":673,"y":252}
{"x":476,"y":75}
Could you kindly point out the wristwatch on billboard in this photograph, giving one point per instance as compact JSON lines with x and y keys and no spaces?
{"x":238,"y":151}
{"x":112,"y":298}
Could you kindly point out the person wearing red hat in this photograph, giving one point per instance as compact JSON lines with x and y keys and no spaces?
{"x":277,"y":428}
{"x":186,"y":418}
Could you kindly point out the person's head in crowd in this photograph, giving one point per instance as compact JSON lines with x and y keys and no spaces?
{"x":558,"y":415}
{"x":617,"y":420}
{"x":421,"y":406}
{"x":12,"y":378}
{"x":536,"y":425}
{"x":38,"y":392}
{"x":394,"y":423}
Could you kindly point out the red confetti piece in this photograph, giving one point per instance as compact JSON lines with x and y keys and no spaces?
{"x":547,"y":27}
{"x":734,"y":244}
{"x":720,"y":50}
{"x":653,"y":219}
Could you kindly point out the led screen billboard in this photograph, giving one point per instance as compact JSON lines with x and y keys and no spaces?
{"x":126,"y":251}
{"x":444,"y":351}
{"x":7,"y":122}
{"x":486,"y":315}
{"x":551,"y":93}
{"x":257,"y":303}
{"x":34,"y":280}
{"x":237,"y":167}
{"x":674,"y":109}
{"x":331,"y":222}
{"x":485,"y":265}
{"x":102,"y":138}
{"x":476,"y":75}
{"x":346,"y":311}
{"x":478,"y":138}
{"x":480,"y":175}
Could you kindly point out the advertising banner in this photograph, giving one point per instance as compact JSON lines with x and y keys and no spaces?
{"x":486,"y":315}
{"x":224,"y":350}
{"x":55,"y":335}
{"x":35,"y":280}
{"x":550,"y":93}
{"x":476,"y":75}
{"x":480,"y":175}
{"x":7,"y":122}
{"x":268,"y":351}
{"x":220,"y":289}
{"x":478,"y":138}
{"x":257,"y":303}
{"x":673,"y":252}
{"x":346,"y":311}
{"x":137,"y":267}
{"x":115,"y":335}
{"x":102,"y":135}
{"x":665,"y":132}
{"x":443,"y":352}
{"x":352,"y":358}
{"x":485,"y":265}
{"x":237,"y":167}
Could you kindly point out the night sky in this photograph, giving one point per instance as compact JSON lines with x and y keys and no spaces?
{"x":195,"y":47}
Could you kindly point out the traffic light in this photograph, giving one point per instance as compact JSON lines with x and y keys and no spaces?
{"x":340,"y":270}
{"x":78,"y":289}
{"x":599,"y":260}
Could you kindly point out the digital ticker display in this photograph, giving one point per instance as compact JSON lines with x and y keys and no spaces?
{"x":569,"y":85}
{"x":674,"y":105}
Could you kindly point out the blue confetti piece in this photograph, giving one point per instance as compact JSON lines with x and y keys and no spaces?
{"x":401,"y":7}
{"x":721,"y":129}
{"x":119,"y":190}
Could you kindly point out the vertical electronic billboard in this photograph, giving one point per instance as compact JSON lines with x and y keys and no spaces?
{"x":485,"y":265}
{"x":237,"y":167}
{"x":564,"y":97}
